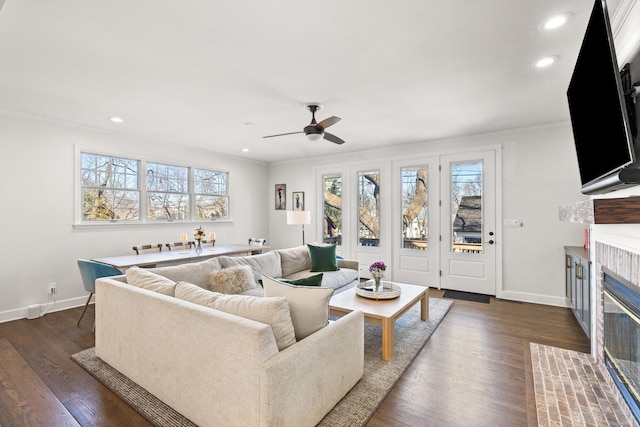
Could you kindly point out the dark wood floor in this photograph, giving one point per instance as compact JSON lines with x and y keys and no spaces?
{"x":472,"y":372}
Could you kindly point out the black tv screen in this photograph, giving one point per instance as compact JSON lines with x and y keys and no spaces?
{"x":601,"y":127}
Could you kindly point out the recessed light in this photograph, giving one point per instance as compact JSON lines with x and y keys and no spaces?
{"x":555,"y":21}
{"x":545,"y":62}
{"x":115,"y":119}
{"x":245,"y":150}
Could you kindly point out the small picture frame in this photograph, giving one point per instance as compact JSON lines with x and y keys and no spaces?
{"x":281,"y":197}
{"x":297,"y":200}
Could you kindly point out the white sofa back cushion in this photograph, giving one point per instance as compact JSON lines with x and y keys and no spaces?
{"x":271,"y":311}
{"x":192,"y":272}
{"x":268,"y":264}
{"x":146,"y":279}
{"x":309,"y":305}
{"x":293,"y":260}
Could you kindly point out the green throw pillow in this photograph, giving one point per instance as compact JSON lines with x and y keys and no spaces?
{"x":315,"y":280}
{"x":323,"y":258}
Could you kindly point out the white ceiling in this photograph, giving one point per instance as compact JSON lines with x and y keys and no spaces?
{"x":221,"y":74}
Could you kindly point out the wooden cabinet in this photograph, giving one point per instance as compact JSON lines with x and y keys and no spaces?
{"x":578,"y":285}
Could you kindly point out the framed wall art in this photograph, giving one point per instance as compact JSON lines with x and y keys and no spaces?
{"x":297,"y":200}
{"x":281,"y":197}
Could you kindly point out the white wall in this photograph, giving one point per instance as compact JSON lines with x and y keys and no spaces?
{"x":40,"y":242}
{"x":540,"y":173}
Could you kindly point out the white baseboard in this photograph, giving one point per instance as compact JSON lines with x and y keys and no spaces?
{"x":21,"y":313}
{"x":534,"y":298}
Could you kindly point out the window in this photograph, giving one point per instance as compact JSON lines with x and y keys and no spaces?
{"x":369,"y":208}
{"x":109,"y":188}
{"x":110,"y":191}
{"x":210,"y":189}
{"x":414,"y":207}
{"x":332,"y":187}
{"x":466,"y":206}
{"x":167,"y":192}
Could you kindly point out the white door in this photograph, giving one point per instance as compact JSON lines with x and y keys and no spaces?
{"x":415,"y":221}
{"x":468,"y":222}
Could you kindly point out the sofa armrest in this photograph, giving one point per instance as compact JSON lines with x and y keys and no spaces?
{"x":301,"y":384}
{"x":349,"y":263}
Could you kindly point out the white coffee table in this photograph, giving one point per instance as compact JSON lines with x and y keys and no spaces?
{"x":383,"y":312}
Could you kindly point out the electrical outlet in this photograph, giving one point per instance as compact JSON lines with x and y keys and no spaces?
{"x":52,"y":288}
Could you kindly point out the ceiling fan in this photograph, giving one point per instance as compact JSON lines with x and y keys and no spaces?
{"x":315,"y":131}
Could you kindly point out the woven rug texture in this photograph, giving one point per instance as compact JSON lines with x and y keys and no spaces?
{"x":354,"y":409}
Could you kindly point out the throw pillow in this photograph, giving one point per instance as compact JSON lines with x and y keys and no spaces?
{"x":315,"y":280}
{"x":323,"y":257}
{"x":309,"y":306}
{"x":232,"y":280}
{"x":271,"y":311}
{"x":142,"y":278}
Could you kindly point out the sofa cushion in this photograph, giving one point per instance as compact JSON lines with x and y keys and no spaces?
{"x":330,"y":279}
{"x":232,"y":280}
{"x":267,"y":263}
{"x":323,"y":257}
{"x":192,"y":272}
{"x":271,"y":311}
{"x":293,"y":259}
{"x":145,"y":279}
{"x":309,"y":306}
{"x":315,"y":280}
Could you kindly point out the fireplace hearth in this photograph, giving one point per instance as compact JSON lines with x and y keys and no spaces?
{"x":621,"y":316}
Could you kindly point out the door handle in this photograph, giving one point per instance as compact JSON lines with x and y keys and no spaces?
{"x":491,"y":242}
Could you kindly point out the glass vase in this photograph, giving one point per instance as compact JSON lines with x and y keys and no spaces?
{"x":198,"y":246}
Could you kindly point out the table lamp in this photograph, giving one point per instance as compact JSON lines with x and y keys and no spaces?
{"x":299,"y":218}
{"x":212,"y":236}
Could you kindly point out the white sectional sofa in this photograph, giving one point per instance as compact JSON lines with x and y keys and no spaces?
{"x":221,"y":368}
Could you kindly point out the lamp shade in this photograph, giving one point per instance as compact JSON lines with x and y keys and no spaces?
{"x":313,"y":137}
{"x":298,"y":217}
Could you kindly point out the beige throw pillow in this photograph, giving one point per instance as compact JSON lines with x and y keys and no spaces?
{"x":232,"y":280}
{"x":142,"y":278}
{"x":309,"y":306}
{"x":271,"y":311}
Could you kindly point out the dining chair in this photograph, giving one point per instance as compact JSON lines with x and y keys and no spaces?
{"x":179,"y":245}
{"x":90,"y":271}
{"x":148,"y":248}
{"x":254,"y":241}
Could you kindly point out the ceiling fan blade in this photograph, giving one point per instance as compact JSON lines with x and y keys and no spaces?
{"x":331,"y":137}
{"x":329,"y":121}
{"x":281,"y":134}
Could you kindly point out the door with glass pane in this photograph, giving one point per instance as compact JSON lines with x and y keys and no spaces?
{"x":468,"y":223}
{"x":415,"y":205}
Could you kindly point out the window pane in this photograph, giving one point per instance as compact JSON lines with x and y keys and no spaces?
{"x":172,"y":179}
{"x":109,"y":205}
{"x":369,"y":208}
{"x":168,"y":205}
{"x":211,"y":207}
{"x":332,"y":228}
{"x":210,"y":182}
{"x":111,"y":172}
{"x":466,"y":206}
{"x":414,"y":207}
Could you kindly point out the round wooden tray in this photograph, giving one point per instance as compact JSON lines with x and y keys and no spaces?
{"x":389,"y":290}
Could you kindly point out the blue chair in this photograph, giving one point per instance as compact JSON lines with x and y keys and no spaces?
{"x":90,"y":271}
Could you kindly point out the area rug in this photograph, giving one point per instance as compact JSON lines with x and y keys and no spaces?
{"x":467,"y":296}
{"x":354,"y":409}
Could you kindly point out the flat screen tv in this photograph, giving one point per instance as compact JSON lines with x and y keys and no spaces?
{"x":602,"y":129}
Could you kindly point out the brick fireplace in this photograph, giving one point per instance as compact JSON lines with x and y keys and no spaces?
{"x":624,"y":264}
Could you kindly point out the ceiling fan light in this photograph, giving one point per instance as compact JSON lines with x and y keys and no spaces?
{"x":313,"y":137}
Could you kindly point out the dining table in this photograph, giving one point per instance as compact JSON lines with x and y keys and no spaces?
{"x":176,"y":256}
